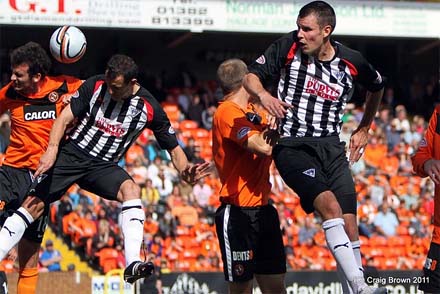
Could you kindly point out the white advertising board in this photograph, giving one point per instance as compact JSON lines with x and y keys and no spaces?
{"x":357,"y":18}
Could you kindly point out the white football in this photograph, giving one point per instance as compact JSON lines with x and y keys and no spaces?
{"x":68,"y":44}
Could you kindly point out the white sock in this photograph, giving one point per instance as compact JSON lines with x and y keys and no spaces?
{"x":133,"y":218}
{"x":13,"y":229}
{"x":357,"y":254}
{"x":346,"y":289}
{"x":340,"y":246}
{"x":356,"y":245}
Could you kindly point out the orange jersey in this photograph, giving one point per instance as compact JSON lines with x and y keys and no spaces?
{"x":32,"y":117}
{"x":244,"y":175}
{"x":429,"y":148}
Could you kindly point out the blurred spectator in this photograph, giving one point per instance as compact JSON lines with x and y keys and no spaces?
{"x":163,"y":184}
{"x":401,"y":119}
{"x":196,"y":109}
{"x":207,"y":116}
{"x":190,"y":149}
{"x":184,"y":100}
{"x":307,"y":231}
{"x":185,"y":213}
{"x":202,"y":193}
{"x":64,"y":208}
{"x":50,"y":258}
{"x":149,"y":193}
{"x":386,"y":221}
{"x":139,"y":172}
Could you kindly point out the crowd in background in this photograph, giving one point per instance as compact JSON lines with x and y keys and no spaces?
{"x":394,"y":207}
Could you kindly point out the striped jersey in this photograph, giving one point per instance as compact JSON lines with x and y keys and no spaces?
{"x":317,"y":90}
{"x":106,"y":128}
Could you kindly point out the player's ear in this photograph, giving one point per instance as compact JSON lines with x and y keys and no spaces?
{"x":327,"y":30}
{"x":36,"y":77}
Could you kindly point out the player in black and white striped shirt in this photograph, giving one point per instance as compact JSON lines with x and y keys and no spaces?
{"x":316,"y":79}
{"x":111,"y":111}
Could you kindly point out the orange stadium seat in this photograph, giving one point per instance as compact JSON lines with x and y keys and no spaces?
{"x":188,"y":125}
{"x":172,"y":111}
{"x":108,"y":259}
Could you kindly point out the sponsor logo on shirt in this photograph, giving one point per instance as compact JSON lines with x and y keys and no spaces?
{"x":318,"y":88}
{"x":111,"y":128}
{"x":243,"y":132}
{"x":39,"y":112}
{"x":310,"y":172}
{"x":261,"y":59}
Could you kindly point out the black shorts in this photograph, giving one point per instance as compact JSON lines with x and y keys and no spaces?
{"x":311,"y":166}
{"x":431,"y":270}
{"x":103,"y":178}
{"x":14,"y":186}
{"x":250,"y":241}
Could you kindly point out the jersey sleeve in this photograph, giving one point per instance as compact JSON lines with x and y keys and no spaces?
{"x":234,"y":126}
{"x":269,"y":65}
{"x":362,"y":70}
{"x":80,"y":102}
{"x":425,"y":150}
{"x":73,"y":84}
{"x":160,"y":125}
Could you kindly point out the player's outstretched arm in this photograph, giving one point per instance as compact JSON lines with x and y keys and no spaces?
{"x":274,"y":106}
{"x":190,"y":173}
{"x":359,"y":138}
{"x":56,"y":134}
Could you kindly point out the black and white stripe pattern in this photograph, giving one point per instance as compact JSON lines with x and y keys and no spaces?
{"x":318,"y":93}
{"x":110,"y":126}
{"x":317,"y":90}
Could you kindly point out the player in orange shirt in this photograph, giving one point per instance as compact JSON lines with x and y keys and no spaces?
{"x":34,"y":101}
{"x":247,"y":227}
{"x":426,"y":163}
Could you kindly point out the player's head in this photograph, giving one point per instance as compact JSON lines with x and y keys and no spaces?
{"x":230,"y":75}
{"x":29,"y":64}
{"x":316,"y":21}
{"x":121,"y":76}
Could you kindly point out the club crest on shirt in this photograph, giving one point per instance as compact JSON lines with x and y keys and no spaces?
{"x":239,"y":269}
{"x":243,"y":132}
{"x":171,"y":130}
{"x":261,"y":59}
{"x":135,"y":112}
{"x":423,"y":143}
{"x":340,"y":75}
{"x":53,"y":97}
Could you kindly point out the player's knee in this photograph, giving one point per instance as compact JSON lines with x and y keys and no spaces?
{"x":129,"y":190}
{"x":327,"y":205}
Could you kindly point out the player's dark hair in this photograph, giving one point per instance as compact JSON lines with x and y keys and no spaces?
{"x":230,"y":75}
{"x":124,"y":65}
{"x":325,"y":14}
{"x":33,"y":55}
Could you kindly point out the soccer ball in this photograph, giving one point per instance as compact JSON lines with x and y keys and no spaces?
{"x":67,"y":44}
